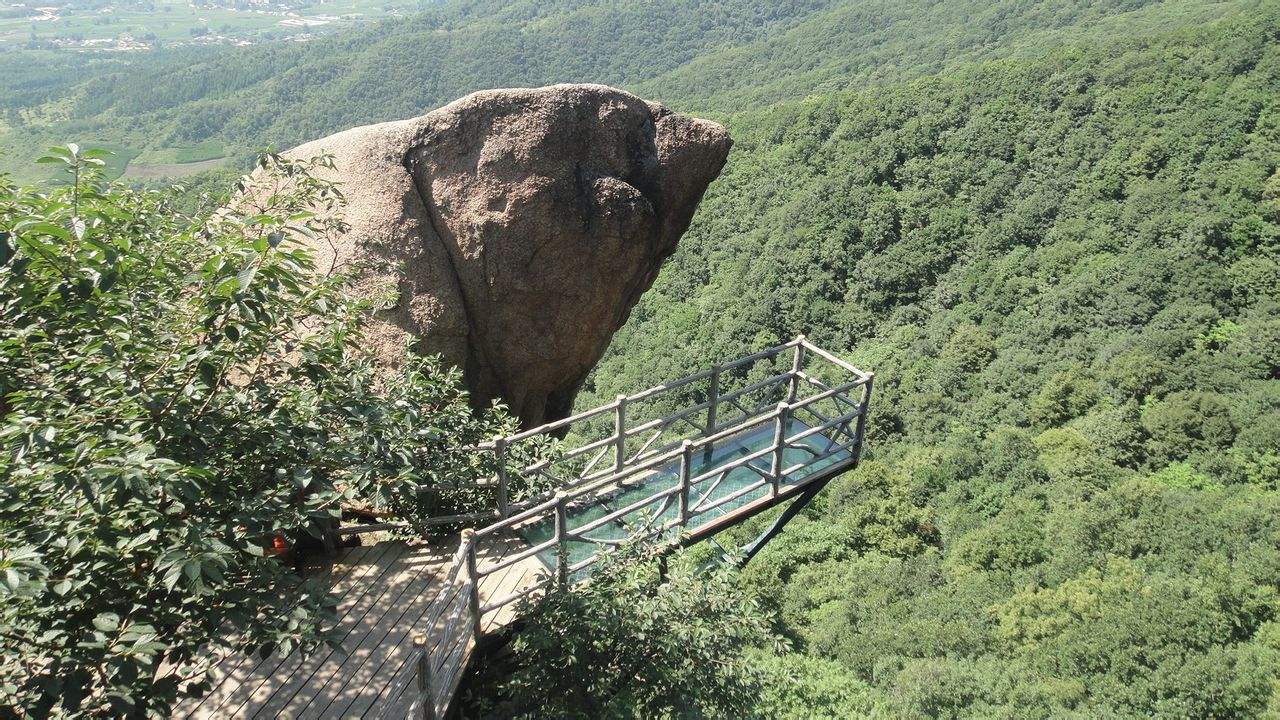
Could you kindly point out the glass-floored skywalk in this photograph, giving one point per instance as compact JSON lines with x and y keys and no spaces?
{"x":703,"y":462}
{"x":691,"y":456}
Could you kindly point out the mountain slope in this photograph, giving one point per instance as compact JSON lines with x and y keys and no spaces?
{"x":698,"y":55}
{"x":1051,"y":228}
{"x":854,"y":44}
{"x":1065,"y":272}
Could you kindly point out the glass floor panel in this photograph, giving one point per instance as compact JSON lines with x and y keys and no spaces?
{"x":667,"y":477}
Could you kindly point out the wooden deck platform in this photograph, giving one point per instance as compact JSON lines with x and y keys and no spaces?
{"x":383,"y":593}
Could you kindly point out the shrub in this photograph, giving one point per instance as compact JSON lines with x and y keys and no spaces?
{"x":632,"y":644}
{"x":803,"y":687}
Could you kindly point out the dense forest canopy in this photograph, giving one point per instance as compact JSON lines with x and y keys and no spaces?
{"x":709,"y":56}
{"x":1051,"y":228}
{"x":1064,"y":272}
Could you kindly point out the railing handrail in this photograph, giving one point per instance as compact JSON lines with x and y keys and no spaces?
{"x":504,"y":508}
{"x":439,"y":666}
{"x":575,"y":490}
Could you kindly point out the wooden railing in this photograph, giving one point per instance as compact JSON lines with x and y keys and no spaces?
{"x":815,"y":408}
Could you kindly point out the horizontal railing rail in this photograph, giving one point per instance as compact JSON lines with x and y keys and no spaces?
{"x":827,"y":403}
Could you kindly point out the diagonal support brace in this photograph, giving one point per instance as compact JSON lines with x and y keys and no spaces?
{"x":802,"y":500}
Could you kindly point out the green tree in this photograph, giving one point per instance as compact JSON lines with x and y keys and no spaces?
{"x":633,"y":643}
{"x":1065,"y":395}
{"x":1188,"y":422}
{"x":175,"y":393}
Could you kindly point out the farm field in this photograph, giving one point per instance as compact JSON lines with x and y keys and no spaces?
{"x":140,"y":25}
{"x":150,"y":171}
{"x":18,"y":154}
{"x":200,"y":152}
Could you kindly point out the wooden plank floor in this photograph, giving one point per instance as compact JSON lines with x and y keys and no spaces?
{"x":383,"y":592}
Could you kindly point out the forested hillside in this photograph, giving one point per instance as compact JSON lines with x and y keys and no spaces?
{"x":714,"y":56}
{"x":1064,"y":272}
{"x":1050,"y":227}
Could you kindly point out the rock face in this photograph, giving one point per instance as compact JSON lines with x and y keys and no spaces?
{"x":515,"y":229}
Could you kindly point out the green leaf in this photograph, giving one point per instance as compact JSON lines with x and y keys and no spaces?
{"x":246,"y":275}
{"x":107,"y":622}
{"x":172,"y":576}
{"x":108,"y":280}
{"x":212,"y":265}
{"x":208,"y":373}
{"x":64,"y":155}
{"x":227,"y":287}
{"x":26,"y":228}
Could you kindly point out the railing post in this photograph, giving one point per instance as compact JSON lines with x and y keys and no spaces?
{"x":713,"y":399}
{"x":686,"y":452}
{"x":562,"y":541}
{"x":500,"y":451}
{"x":797,"y":362}
{"x":426,"y":694}
{"x":620,"y":433}
{"x":469,"y":538}
{"x":779,"y":434}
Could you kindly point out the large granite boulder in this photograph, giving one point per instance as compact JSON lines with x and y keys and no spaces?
{"x":514,"y":230}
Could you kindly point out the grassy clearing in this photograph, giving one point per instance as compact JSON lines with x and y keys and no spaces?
{"x":148,"y":171}
{"x":18,"y":156}
{"x":20,"y":147}
{"x":119,"y":159}
{"x":198,"y":153}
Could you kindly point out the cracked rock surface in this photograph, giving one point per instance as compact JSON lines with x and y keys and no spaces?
{"x":514,"y":230}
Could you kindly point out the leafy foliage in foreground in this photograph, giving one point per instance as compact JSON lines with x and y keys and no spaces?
{"x":633,"y":643}
{"x":174,"y":393}
{"x":1064,"y":272}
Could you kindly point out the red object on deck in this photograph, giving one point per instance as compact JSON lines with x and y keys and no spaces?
{"x":279,"y":546}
